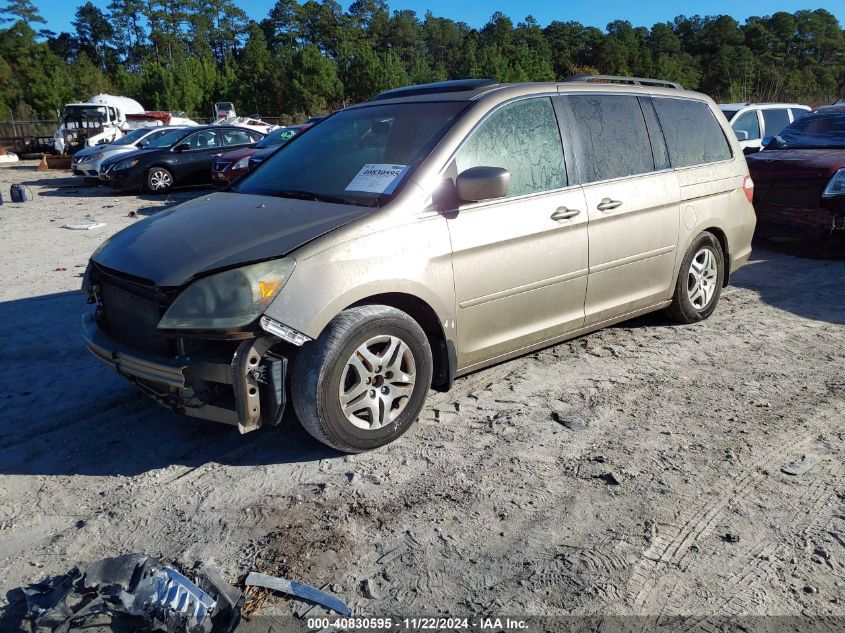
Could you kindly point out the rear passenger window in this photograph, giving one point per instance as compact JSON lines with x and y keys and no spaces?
{"x":693,"y":135}
{"x":748,"y":122}
{"x":522,"y":137}
{"x":611,"y":139}
{"x":774,"y":121}
{"x":237,"y":137}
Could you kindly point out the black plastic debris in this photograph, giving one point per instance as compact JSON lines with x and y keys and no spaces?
{"x":137,"y":585}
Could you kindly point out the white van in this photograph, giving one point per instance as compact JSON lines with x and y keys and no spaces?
{"x":753,"y":121}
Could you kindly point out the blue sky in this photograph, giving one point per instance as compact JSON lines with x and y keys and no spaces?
{"x":59,"y":14}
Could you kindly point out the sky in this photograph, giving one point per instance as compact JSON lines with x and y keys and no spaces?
{"x":59,"y":13}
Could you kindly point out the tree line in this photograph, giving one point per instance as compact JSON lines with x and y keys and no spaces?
{"x":312,"y":57}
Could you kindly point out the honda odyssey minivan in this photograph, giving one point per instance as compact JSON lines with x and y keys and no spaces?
{"x":405,"y":242}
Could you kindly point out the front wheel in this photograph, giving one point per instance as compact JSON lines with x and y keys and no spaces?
{"x":159,"y":180}
{"x":364,"y":381}
{"x":700,"y":280}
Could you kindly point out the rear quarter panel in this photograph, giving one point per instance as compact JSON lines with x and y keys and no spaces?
{"x":712,"y":198}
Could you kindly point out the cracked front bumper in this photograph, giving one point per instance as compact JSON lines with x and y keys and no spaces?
{"x":254,"y":378}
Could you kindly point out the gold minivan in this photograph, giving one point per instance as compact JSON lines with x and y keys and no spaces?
{"x":401,"y":243}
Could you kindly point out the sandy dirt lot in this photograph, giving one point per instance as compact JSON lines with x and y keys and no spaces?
{"x":635,"y":471}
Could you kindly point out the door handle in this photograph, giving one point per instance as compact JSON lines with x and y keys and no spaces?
{"x":607,"y":204}
{"x":562,"y":213}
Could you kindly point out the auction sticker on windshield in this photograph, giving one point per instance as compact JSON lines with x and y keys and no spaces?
{"x":377,"y":178}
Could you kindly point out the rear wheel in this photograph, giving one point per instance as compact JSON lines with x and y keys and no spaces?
{"x":364,"y":381}
{"x":159,"y":180}
{"x":700,"y":280}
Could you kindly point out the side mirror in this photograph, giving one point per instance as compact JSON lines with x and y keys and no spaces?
{"x":483,"y":183}
{"x":141,"y":144}
{"x":181,"y":147}
{"x":742,"y":135}
{"x":767,"y":140}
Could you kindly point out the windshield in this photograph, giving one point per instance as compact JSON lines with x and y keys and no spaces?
{"x":166,"y":140}
{"x":277,"y":137}
{"x":358,"y":156}
{"x":814,"y":130}
{"x":85,"y":111}
{"x":225,"y":106}
{"x":131,"y":137}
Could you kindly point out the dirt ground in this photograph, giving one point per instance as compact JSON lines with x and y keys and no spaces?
{"x":635,"y":471}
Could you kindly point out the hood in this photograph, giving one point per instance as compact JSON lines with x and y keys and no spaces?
{"x":777,"y":164}
{"x":114,"y":155}
{"x":265,"y":152}
{"x":218,"y":231}
{"x":87,"y":151}
{"x":236,"y":154}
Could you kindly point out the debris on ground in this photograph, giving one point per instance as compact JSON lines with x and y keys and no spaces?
{"x":84,"y":226}
{"x":730,"y":538}
{"x":137,"y":585}
{"x":571,"y":422}
{"x":799,"y":465}
{"x":299,"y":590}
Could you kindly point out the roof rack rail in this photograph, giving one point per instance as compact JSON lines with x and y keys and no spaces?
{"x":619,"y":79}
{"x":455,"y":85}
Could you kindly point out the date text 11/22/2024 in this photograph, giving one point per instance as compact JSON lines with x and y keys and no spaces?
{"x":418,"y":624}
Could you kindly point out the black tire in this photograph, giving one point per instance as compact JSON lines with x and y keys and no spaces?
{"x":155,"y":176}
{"x":683,"y":309}
{"x":320,"y":365}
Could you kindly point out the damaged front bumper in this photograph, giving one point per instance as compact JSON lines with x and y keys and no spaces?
{"x":254,"y":378}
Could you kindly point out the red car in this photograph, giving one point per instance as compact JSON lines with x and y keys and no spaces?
{"x":230,"y":166}
{"x":799,"y":181}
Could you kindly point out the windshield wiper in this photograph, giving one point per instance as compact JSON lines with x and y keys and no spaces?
{"x":300,"y":194}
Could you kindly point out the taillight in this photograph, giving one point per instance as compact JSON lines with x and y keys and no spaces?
{"x":748,"y":188}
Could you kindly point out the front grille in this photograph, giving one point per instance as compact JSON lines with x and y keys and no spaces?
{"x":130,"y":312}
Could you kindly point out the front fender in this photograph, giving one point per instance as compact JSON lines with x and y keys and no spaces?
{"x":413,"y":259}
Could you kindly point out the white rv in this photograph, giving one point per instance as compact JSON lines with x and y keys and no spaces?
{"x":102,"y":119}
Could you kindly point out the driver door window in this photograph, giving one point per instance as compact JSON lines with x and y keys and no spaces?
{"x":522,"y":137}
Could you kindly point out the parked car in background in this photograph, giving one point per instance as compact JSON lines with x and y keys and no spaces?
{"x":181,"y":157}
{"x":86,"y":162}
{"x":752,"y":121}
{"x":421,"y":236}
{"x":799,"y":182}
{"x":227,"y":168}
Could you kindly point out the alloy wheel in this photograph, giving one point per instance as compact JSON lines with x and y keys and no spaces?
{"x":160,"y":179}
{"x":701,"y":279}
{"x":377,"y":382}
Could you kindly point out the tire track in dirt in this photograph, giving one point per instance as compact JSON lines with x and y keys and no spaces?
{"x":666,"y":554}
{"x":754,"y":565}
